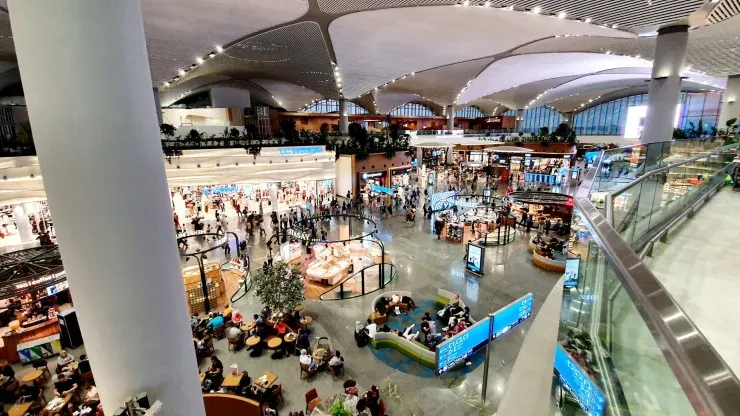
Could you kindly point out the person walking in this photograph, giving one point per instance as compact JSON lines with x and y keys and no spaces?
{"x":547,"y":225}
{"x":530,"y":222}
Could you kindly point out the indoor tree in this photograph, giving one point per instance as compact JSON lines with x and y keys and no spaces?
{"x":280,"y":286}
{"x":167,"y":130}
{"x":193,"y":136}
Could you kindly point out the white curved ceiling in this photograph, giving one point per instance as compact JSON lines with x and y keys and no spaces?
{"x":386,"y":101}
{"x":415,"y":39}
{"x":290,"y":96}
{"x":522,"y":69}
{"x":521,"y":95}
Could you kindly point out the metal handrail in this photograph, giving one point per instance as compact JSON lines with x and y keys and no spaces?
{"x":709,"y":384}
{"x":646,"y":175}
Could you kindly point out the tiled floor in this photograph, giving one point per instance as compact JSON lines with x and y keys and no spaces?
{"x":424,"y":265}
{"x":698,"y":266}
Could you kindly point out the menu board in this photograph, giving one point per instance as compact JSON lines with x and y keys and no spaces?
{"x":574,"y":380}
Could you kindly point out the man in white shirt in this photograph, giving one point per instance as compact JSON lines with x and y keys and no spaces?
{"x":371,"y":329}
{"x":337,"y":360}
{"x":305,"y":358}
{"x":395,"y":298}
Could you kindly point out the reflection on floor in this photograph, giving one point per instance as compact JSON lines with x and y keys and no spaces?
{"x":698,"y":266}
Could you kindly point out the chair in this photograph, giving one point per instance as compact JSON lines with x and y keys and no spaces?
{"x":323,"y":342}
{"x":42,"y":365}
{"x":305,"y":370}
{"x":220,"y":332}
{"x":311,"y":400}
{"x":277,"y":392}
{"x":335,"y":370}
{"x":236,"y":344}
{"x":382,"y":408}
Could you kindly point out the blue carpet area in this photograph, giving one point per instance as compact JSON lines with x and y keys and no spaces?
{"x":400,"y":362}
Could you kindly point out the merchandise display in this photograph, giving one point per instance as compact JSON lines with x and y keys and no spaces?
{"x":290,"y":252}
{"x":194,"y":289}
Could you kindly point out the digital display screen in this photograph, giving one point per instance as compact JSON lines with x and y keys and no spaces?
{"x":486,"y":196}
{"x":572,"y":266}
{"x":474,"y":262}
{"x":570,"y":375}
{"x":455,"y":350}
{"x":381,"y":189}
{"x":512,"y":315}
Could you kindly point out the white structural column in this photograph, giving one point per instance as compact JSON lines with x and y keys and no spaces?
{"x":343,"y":119}
{"x":519,"y":119}
{"x":568,"y":118}
{"x":665,"y":84}
{"x":730,"y":104}
{"x":450,"y":117}
{"x":158,"y":106}
{"x":22,"y":223}
{"x":107,"y":188}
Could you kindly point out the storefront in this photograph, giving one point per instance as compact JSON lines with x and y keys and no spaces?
{"x":34,"y":297}
{"x":25,"y":223}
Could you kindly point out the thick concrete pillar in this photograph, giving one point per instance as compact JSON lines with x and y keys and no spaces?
{"x":448,"y":155}
{"x":568,"y":118}
{"x":118,"y":246}
{"x":665,"y":84}
{"x":450,"y":117}
{"x":419,"y":157}
{"x":519,"y":120}
{"x":22,"y":223}
{"x":343,"y":116}
{"x":730,"y":105}
{"x":158,"y":106}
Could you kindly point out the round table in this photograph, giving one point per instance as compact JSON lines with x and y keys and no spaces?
{"x":248,"y":327}
{"x":319,"y":354}
{"x":32,"y":376}
{"x":274,"y":343}
{"x":290,"y":338}
{"x":253,"y":340}
{"x":305,"y":320}
{"x":298,"y":308}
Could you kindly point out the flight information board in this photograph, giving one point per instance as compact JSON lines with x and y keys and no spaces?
{"x":512,"y":315}
{"x":578,"y":384}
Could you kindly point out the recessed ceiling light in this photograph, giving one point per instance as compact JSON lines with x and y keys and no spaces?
{"x":181,"y":72}
{"x":608,"y":52}
{"x":536,"y":9}
{"x":510,"y":7}
{"x":614,"y":26}
{"x":487,"y":4}
{"x":219,"y":49}
{"x":562,"y":15}
{"x":466,"y":3}
{"x":199,"y":60}
{"x":588,"y":20}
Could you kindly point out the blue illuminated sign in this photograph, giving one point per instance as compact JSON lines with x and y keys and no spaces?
{"x":220,"y":190}
{"x":303,"y":150}
{"x":455,"y":350}
{"x":572,"y":266}
{"x":512,"y":315}
{"x":578,"y":384}
{"x":381,"y":189}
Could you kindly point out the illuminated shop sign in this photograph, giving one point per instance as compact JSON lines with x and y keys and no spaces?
{"x":303,"y":150}
{"x":39,"y":280}
{"x":373,"y":175}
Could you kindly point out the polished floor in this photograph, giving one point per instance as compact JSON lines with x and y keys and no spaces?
{"x":424,"y":264}
{"x":698,"y":266}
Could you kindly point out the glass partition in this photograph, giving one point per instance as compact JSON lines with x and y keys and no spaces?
{"x":361,"y":282}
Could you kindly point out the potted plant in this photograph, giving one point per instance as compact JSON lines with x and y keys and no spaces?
{"x":280,"y":286}
{"x":167,"y":130}
{"x":339,"y":409}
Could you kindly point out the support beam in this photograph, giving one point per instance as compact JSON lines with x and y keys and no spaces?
{"x":519,"y":120}
{"x":450,"y":117}
{"x":730,"y":104}
{"x":118,"y":247}
{"x":343,"y":116}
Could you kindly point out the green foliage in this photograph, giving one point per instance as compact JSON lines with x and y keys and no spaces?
{"x":339,"y":409}
{"x":193,"y":136}
{"x":679,"y":134}
{"x":234,"y":134}
{"x":324,"y":130}
{"x":287,"y":127}
{"x":167,"y":130}
{"x":280,"y":286}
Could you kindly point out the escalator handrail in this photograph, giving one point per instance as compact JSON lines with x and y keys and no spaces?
{"x":708,"y":382}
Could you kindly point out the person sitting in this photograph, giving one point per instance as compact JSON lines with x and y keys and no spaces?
{"x":84,"y":365}
{"x":266,"y":312}
{"x":260,"y":330}
{"x":63,"y":361}
{"x":64,"y":386}
{"x":236,"y":317}
{"x":205,"y":342}
{"x":407,"y":300}
{"x":407,"y":333}
{"x":460,"y":326}
{"x":395,"y":299}
{"x":336,"y":362}
{"x":92,"y":398}
{"x":194,"y":322}
{"x":281,"y":328}
{"x":371,"y":329}
{"x":31,"y":394}
{"x":235,"y":336}
{"x":217,"y":321}
{"x":227,"y":312}
{"x":258,"y":320}
{"x":6,"y":394}
{"x":305,"y":359}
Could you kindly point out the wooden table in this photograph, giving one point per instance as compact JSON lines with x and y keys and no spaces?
{"x":232,"y":381}
{"x":253,"y":341}
{"x":319,"y":354}
{"x":298,"y":308}
{"x":248,"y":327}
{"x":290,"y":337}
{"x":305,"y":320}
{"x":32,"y":376}
{"x":19,"y":409}
{"x":58,"y":410}
{"x":274,"y":343}
{"x":271,"y":378}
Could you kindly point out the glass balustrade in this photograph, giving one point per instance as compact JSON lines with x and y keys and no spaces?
{"x":361,"y":282}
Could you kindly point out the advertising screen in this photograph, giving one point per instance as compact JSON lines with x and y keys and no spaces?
{"x":512,"y":315}
{"x":572,"y":378}
{"x":455,"y":350}
{"x":486,"y":196}
{"x":571,"y":272}
{"x":474,"y":262}
{"x":636,"y":121}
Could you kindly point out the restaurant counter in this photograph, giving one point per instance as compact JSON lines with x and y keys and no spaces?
{"x":12,"y":339}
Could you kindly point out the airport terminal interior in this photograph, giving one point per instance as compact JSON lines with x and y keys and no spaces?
{"x":369,"y":208}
